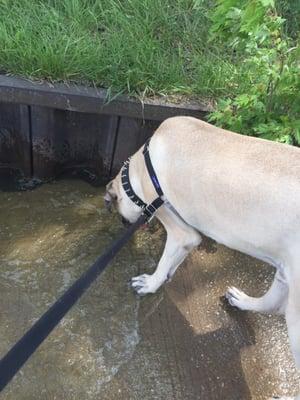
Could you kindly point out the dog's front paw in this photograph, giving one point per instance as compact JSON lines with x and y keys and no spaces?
{"x":239,"y":299}
{"x":144,"y":284}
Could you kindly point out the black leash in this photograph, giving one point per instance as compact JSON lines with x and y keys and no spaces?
{"x":23,"y":349}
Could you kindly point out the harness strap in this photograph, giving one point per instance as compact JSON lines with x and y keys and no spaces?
{"x":151,"y":208}
{"x":128,"y":188}
{"x":148,"y":209}
{"x":150,"y":169}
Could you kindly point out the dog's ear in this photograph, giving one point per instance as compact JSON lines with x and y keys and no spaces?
{"x":110,"y":192}
{"x":109,"y":186}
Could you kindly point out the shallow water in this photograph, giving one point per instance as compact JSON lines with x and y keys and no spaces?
{"x":181,"y":343}
{"x":48,"y":237}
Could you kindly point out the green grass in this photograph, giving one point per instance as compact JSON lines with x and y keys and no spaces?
{"x":141,"y":47}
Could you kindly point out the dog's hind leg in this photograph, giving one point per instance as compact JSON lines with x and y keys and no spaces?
{"x":273,"y":301}
{"x":292,"y":315}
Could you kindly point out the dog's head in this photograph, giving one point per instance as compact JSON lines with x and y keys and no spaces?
{"x":116,"y":197}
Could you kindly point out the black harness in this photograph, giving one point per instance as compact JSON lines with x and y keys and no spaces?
{"x":148,"y":209}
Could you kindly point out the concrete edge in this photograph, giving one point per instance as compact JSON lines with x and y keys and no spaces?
{"x":85,"y":99}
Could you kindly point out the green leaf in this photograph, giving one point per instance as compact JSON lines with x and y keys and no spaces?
{"x":268,"y":3}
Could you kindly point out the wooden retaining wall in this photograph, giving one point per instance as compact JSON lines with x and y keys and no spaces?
{"x":50,"y":130}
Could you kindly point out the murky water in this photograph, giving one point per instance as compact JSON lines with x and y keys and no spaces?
{"x":179,"y":344}
{"x":48,"y":237}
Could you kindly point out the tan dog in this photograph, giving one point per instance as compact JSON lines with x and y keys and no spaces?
{"x":241,"y":191}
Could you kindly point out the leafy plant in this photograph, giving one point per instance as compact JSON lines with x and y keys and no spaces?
{"x":269,"y":104}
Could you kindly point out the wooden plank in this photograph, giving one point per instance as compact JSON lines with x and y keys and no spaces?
{"x":93,"y":100}
{"x":66,"y":142}
{"x":132,"y":133}
{"x":15,"y":146}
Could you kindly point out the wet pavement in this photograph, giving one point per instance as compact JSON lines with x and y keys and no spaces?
{"x":181,"y":343}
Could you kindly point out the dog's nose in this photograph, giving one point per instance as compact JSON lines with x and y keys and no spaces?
{"x":108,"y":205}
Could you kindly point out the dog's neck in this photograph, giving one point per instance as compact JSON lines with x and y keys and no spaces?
{"x":139,"y":178}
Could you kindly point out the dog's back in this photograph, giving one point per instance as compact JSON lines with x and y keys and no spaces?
{"x":205,"y":141}
{"x":241,"y":186}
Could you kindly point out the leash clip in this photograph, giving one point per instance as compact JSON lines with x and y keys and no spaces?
{"x":150,"y":209}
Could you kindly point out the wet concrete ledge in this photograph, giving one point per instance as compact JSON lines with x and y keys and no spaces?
{"x":73,"y":97}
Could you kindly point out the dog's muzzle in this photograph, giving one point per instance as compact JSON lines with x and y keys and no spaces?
{"x":108,"y":205}
{"x":108,"y":202}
